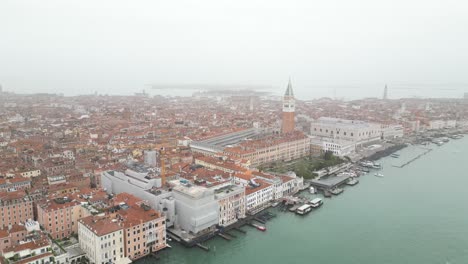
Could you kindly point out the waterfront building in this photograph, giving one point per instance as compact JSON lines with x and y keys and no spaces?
{"x":144,"y":228}
{"x":392,"y":131}
{"x":197,"y":209}
{"x":289,"y":105}
{"x":441,"y":124}
{"x":16,"y":207}
{"x":338,"y":147}
{"x":258,"y":195}
{"x":231,"y":202}
{"x":358,"y":132}
{"x":102,"y":239}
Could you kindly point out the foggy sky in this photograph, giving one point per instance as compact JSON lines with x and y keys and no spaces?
{"x":117,"y":47}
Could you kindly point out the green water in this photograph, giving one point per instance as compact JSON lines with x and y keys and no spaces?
{"x":416,"y":214}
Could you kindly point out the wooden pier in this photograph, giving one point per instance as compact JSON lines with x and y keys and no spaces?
{"x":226,"y":237}
{"x":202,"y":247}
{"x":413,"y":159}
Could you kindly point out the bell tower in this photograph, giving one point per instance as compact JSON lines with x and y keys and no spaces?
{"x":289,"y":106}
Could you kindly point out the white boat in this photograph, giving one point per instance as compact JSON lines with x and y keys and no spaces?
{"x":304,"y":209}
{"x":378,"y":175}
{"x":311,"y":190}
{"x":346,"y":173}
{"x":316,"y":202}
{"x":352,"y":181}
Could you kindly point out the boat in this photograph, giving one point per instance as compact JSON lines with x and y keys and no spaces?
{"x":364,"y":170}
{"x":336,"y":191}
{"x":274,"y":204}
{"x":259,"y":227}
{"x":346,"y":174}
{"x":311,"y":190}
{"x":376,"y":166}
{"x":394,"y":155}
{"x":317,"y":202}
{"x":326,"y":193}
{"x":304,"y":209}
{"x":378,"y":175}
{"x":367,"y":164}
{"x":352,"y":181}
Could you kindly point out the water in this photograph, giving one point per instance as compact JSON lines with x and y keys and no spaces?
{"x":416,"y":214}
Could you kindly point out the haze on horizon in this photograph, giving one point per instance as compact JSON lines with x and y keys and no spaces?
{"x":329,"y":48}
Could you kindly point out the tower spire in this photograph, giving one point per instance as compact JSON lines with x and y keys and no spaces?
{"x":385,"y":94}
{"x":289,"y":90}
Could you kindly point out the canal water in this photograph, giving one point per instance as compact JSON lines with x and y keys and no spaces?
{"x":415,"y":214}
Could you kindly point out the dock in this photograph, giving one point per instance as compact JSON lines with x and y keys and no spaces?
{"x":413,"y":159}
{"x":294,"y":208}
{"x":202,"y":247}
{"x":226,"y":237}
{"x":330,"y":182}
{"x":240,"y":230}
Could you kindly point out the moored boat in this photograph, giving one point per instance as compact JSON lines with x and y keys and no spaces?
{"x":316,"y":202}
{"x":352,"y":181}
{"x":304,"y":209}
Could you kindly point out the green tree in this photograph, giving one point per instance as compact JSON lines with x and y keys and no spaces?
{"x":328,"y":155}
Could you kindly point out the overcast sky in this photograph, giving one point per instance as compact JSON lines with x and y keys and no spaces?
{"x":118,"y":47}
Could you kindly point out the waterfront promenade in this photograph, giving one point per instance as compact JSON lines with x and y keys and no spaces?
{"x":405,"y":217}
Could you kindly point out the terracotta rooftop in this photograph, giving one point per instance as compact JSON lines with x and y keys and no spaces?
{"x":101,"y":225}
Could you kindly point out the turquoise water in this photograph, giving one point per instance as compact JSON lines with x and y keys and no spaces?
{"x":416,"y":214}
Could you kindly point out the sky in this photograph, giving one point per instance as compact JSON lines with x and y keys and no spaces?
{"x":334,"y":48}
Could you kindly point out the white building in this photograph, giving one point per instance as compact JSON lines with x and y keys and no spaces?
{"x":355,"y":131}
{"x":115,"y":182}
{"x":392,"y":131}
{"x":150,"y":158}
{"x":231,"y":201}
{"x":441,"y":124}
{"x":102,"y":240}
{"x":258,"y":196}
{"x":196,"y":208}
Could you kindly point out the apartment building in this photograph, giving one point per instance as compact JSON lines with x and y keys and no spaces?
{"x":32,"y":251}
{"x":59,"y":216}
{"x":231,"y":202}
{"x":15,"y":208}
{"x":258,"y":195}
{"x":102,"y":239}
{"x":144,"y":228}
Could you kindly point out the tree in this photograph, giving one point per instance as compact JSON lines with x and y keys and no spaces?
{"x":328,"y":155}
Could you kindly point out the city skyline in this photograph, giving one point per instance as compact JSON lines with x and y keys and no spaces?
{"x":328,"y":47}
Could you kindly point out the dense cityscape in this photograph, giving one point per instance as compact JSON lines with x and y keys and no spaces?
{"x":113,"y":179}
